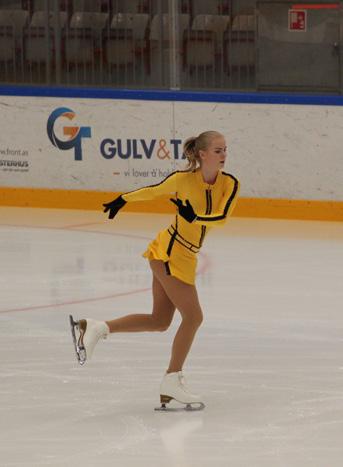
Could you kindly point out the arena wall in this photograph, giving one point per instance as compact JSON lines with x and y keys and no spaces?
{"x":77,"y":150}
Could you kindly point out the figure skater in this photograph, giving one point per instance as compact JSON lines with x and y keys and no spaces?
{"x":204,"y":196}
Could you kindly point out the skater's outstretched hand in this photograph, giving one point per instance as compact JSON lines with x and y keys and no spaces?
{"x":114,"y":206}
{"x":185,"y":210}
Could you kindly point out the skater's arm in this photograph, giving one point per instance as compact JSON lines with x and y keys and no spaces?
{"x":167,"y":186}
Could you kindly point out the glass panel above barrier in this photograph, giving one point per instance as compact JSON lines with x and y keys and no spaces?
{"x":298,"y":47}
{"x":215,"y":45}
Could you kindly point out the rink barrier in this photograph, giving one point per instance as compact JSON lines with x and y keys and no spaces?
{"x":246,"y":207}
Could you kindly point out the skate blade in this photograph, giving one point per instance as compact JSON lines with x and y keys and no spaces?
{"x":193,"y":407}
{"x":79,"y":350}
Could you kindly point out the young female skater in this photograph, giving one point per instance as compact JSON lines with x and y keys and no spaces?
{"x":204,"y":196}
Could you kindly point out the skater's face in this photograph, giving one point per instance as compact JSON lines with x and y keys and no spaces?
{"x":214,"y":156}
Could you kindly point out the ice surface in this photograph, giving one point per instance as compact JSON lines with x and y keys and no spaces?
{"x":268,"y":358}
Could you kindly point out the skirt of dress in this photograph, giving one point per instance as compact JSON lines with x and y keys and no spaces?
{"x":181,"y":263}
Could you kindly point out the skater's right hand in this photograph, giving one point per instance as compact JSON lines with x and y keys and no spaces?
{"x":114,"y":206}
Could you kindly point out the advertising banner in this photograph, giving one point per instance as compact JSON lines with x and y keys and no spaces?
{"x":277,"y":151}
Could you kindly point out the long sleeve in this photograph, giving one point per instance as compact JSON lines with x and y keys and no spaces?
{"x":225,"y":208}
{"x":167,"y":186}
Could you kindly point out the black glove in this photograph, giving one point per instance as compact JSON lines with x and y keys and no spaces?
{"x":186,"y":211}
{"x":114,"y":206}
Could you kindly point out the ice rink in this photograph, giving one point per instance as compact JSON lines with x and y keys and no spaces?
{"x":268,"y":358}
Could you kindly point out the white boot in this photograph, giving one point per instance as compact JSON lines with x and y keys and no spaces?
{"x":174,"y":386}
{"x":90,"y":333}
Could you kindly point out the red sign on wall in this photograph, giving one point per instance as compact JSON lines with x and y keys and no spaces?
{"x":297,"y":20}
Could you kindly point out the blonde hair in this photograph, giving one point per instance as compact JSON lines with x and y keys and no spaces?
{"x":194,"y":144}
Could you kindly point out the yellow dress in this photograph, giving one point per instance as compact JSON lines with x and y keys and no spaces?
{"x":178,"y":245}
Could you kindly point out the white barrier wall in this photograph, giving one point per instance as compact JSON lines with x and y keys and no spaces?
{"x":277,"y":151}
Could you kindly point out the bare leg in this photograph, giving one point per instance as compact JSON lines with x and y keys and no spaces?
{"x":159,"y":320}
{"x":185,"y":299}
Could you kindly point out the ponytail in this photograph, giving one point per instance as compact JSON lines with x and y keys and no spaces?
{"x":189,"y":149}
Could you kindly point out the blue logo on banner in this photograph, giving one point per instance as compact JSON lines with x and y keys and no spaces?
{"x":75,"y":133}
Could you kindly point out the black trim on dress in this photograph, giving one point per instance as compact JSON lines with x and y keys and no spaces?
{"x":166,"y":265}
{"x":227,"y":205}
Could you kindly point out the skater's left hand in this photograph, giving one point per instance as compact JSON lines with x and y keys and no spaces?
{"x":114,"y":206}
{"x":185,"y":210}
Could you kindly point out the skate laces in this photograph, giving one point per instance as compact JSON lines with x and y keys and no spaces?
{"x":183,"y":383}
{"x":96,"y":329}
{"x":100,"y":334}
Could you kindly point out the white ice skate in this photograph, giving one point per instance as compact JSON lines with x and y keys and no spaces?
{"x":90,"y":331}
{"x":173,"y":387}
